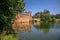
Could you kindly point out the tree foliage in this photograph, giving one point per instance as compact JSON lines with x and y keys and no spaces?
{"x":45,"y":16}
{"x":37,"y":15}
{"x":57,"y":16}
{"x":8,"y":12}
{"x":20,"y":5}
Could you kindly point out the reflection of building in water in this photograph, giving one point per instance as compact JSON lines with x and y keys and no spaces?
{"x":22,"y":27}
{"x":37,"y":25}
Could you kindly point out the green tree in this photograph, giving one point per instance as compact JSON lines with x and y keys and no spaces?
{"x":6,"y":14}
{"x":57,"y":16}
{"x":46,"y":11}
{"x":20,"y":6}
{"x":45,"y":16}
{"x":8,"y":11}
{"x":37,"y":15}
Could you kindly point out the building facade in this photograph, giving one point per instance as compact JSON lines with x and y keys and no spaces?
{"x":24,"y":17}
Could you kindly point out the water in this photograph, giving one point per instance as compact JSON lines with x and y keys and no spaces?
{"x":37,"y":31}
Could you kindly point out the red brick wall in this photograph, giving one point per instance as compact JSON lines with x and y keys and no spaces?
{"x":23,"y":18}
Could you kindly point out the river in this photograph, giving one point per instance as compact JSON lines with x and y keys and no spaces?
{"x":37,"y":31}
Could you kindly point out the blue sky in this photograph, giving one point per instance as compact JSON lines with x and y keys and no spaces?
{"x":39,"y":5}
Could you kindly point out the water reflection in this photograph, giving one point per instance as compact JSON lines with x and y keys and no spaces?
{"x":42,"y":26}
{"x":29,"y":31}
{"x":41,"y":31}
{"x":22,"y":27}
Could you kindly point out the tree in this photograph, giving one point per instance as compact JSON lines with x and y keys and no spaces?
{"x":46,"y":11}
{"x":20,"y":6}
{"x":57,"y":16}
{"x":8,"y":12}
{"x":37,"y":15}
{"x":45,"y":16}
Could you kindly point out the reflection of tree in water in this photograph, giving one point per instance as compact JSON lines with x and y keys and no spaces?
{"x":37,"y":25}
{"x":46,"y":30}
{"x":43,"y":26}
{"x":8,"y":30}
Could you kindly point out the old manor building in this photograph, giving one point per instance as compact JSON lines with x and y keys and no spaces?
{"x":24,"y":17}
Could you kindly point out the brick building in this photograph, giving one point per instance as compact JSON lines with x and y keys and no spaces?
{"x":24,"y":17}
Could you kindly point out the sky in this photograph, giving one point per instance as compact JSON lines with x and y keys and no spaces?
{"x":35,"y":6}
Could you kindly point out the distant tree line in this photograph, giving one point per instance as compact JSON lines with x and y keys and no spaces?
{"x":45,"y":16}
{"x":57,"y":16}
